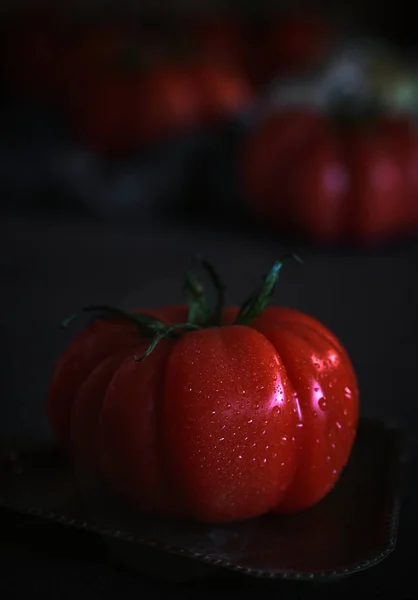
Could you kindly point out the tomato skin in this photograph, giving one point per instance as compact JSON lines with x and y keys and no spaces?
{"x":378,"y":194}
{"x":98,"y":341}
{"x":133,"y":463}
{"x":226,"y":444}
{"x":222,"y":424}
{"x":123,"y":110}
{"x":317,"y":199}
{"x":85,"y":413}
{"x":220,"y":91}
{"x":333,"y":182}
{"x":326,"y":400}
{"x":269,"y":155}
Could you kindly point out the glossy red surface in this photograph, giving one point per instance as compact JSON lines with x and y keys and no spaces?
{"x":222,"y":424}
{"x":330,"y":181}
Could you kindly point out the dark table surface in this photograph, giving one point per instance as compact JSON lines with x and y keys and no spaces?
{"x":50,"y":266}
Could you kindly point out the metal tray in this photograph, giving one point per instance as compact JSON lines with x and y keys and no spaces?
{"x":352,"y":529}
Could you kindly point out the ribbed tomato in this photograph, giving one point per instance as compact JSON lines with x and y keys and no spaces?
{"x":224,"y":419}
{"x":333,"y":181}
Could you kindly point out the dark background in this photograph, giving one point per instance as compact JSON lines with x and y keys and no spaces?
{"x":54,"y":261}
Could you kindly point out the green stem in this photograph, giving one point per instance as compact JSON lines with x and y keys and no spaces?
{"x":256,"y":303}
{"x":145,"y":323}
{"x":163,"y":334}
{"x":199,"y":311}
{"x":220,"y":289}
{"x":199,"y":314}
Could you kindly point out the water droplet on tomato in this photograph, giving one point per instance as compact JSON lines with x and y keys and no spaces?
{"x":322,"y":403}
{"x":214,"y":412}
{"x":276,"y":410}
{"x":265,"y":460}
{"x":260,"y":388}
{"x":250,"y":421}
{"x":299,"y":425}
{"x":284,"y":438}
{"x":348,"y":392}
{"x":332,"y":445}
{"x":282,"y":464}
{"x":267,"y":447}
{"x":239,"y":456}
{"x":330,"y":384}
{"x":338,"y":425}
{"x":221,"y":439}
{"x":334,"y":471}
{"x":241,"y":390}
{"x":345,"y":411}
{"x":328,"y":458}
{"x":314,"y":414}
{"x":272,"y":365}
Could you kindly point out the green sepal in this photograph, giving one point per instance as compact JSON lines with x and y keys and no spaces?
{"x":256,"y":303}
{"x":145,"y":323}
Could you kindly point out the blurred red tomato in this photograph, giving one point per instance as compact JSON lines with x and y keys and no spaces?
{"x":125,"y":109}
{"x":333,"y":182}
{"x":167,"y":104}
{"x":269,"y":157}
{"x":220,"y":90}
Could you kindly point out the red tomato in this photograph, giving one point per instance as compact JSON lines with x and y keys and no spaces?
{"x":412,"y":178}
{"x":378,"y":198}
{"x":167,"y":104}
{"x":404,"y":135}
{"x":268,"y":158}
{"x":220,"y":91}
{"x":333,"y":182}
{"x":220,"y":424}
{"x":317,"y":198}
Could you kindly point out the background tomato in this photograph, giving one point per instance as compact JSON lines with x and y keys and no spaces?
{"x":332,"y":180}
{"x":268,"y":159}
{"x":221,"y":91}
